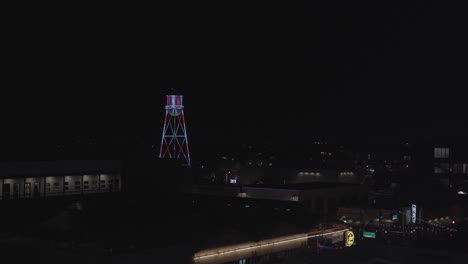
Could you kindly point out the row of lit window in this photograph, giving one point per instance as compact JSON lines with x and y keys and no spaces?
{"x":445,"y":168}
{"x":441,"y":153}
{"x":460,"y":168}
{"x":347,"y":173}
{"x":77,"y":185}
{"x":309,"y":173}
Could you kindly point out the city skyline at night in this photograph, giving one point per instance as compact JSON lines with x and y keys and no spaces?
{"x":230,"y":133}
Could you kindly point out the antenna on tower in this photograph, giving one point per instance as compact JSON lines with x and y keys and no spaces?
{"x":174,"y":141}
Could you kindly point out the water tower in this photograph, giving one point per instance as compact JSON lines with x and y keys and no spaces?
{"x":174,"y":142}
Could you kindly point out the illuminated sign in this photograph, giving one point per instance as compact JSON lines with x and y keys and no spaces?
{"x":368,"y":234}
{"x":395,"y":217}
{"x":349,"y":238}
{"x":413,"y":213}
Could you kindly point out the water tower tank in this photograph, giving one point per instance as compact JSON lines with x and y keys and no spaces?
{"x":175,"y":104}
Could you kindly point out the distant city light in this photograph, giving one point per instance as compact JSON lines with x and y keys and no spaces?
{"x":309,"y":173}
{"x":232,"y":180}
{"x":461,"y":192}
{"x":242,"y":194}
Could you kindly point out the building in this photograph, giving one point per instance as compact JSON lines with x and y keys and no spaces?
{"x":315,"y":198}
{"x":450,"y":164}
{"x":20,"y":180}
{"x":320,"y":162}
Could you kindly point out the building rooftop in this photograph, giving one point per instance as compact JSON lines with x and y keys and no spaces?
{"x":58,"y":167}
{"x":302,"y":186}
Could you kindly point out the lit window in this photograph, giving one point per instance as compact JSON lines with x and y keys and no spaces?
{"x":460,"y":168}
{"x":438,"y":170}
{"x":441,"y":153}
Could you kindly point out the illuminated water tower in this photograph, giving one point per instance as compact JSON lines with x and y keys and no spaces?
{"x":174,"y":142}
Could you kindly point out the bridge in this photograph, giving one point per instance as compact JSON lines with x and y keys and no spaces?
{"x":267,"y":247}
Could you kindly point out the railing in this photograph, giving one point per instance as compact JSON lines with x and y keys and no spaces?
{"x":13,"y":196}
{"x":246,"y":250}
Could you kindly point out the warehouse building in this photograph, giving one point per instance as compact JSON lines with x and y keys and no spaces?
{"x":26,"y":180}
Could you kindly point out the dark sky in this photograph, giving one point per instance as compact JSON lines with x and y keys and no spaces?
{"x":248,"y":73}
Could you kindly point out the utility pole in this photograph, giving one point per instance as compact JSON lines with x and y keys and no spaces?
{"x":403,"y":219}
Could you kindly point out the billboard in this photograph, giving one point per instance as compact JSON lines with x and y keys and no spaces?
{"x":413,"y":213}
{"x":368,"y":234}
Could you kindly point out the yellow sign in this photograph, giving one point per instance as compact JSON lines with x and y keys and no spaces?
{"x":349,"y":238}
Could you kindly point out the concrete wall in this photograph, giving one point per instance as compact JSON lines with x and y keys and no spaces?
{"x":12,"y":183}
{"x":108,"y":181}
{"x":53,"y":185}
{"x":90,"y":183}
{"x":33,"y":181}
{"x":73,"y":183}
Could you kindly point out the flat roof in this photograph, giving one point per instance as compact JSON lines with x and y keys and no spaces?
{"x":58,"y":167}
{"x":302,"y":186}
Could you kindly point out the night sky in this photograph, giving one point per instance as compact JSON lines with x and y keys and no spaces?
{"x":264,"y":74}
